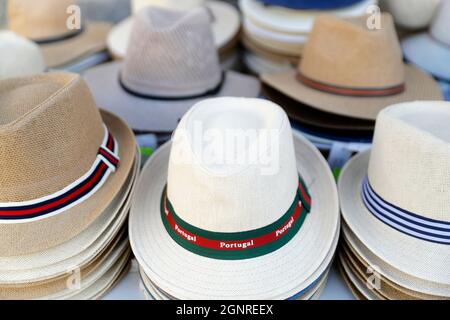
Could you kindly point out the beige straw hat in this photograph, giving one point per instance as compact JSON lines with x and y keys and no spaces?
{"x":349,"y":70}
{"x":155,"y":85}
{"x":224,"y":21}
{"x":64,"y":162}
{"x":47,"y":23}
{"x":395,"y":198}
{"x":207,"y":202}
{"x":19,"y":56}
{"x":411,"y":14}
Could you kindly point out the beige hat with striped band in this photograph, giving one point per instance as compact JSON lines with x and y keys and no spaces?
{"x":395,"y":199}
{"x":350,"y":70}
{"x":217,"y":229}
{"x":63,"y":161}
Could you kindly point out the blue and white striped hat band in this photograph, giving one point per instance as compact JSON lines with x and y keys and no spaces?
{"x":404,"y":221}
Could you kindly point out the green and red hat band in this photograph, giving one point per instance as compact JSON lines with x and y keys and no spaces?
{"x":237,"y":245}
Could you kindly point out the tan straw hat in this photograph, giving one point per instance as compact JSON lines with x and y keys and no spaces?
{"x":395,"y":198}
{"x":155,"y":85}
{"x":350,"y":70}
{"x":224,"y":22}
{"x":48,"y":23}
{"x":63,"y":161}
{"x":216,"y":229}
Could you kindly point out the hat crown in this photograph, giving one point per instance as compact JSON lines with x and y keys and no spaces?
{"x":345,"y":53}
{"x":171,"y":53}
{"x":50,"y":132}
{"x":19,"y":56}
{"x":40,"y":20}
{"x":440,"y":27}
{"x":410,"y":158}
{"x":137,"y":5}
{"x":233,"y":193}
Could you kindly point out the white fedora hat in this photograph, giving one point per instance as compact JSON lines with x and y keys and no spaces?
{"x":19,"y":56}
{"x":225,"y":22}
{"x":395,"y":198}
{"x":202,"y":229}
{"x":155,"y":85}
{"x":292,"y":21}
{"x":411,"y":14}
{"x":431,"y":50}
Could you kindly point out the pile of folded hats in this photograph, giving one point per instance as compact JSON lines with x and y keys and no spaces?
{"x":347,"y":75}
{"x":275,"y":31}
{"x":395,"y":207}
{"x":201,"y":228}
{"x":153,"y":87}
{"x":46,"y":23}
{"x":224,"y":21}
{"x":68,"y":172}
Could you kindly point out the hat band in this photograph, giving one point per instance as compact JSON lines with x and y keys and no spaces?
{"x":352,"y":92}
{"x":404,"y":221}
{"x":210,"y":92}
{"x":237,"y":245}
{"x":107,"y":161}
{"x":64,"y":37}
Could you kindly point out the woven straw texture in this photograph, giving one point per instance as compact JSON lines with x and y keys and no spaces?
{"x":50,"y":133}
{"x":171,"y":53}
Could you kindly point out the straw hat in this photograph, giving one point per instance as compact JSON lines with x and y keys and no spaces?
{"x":205,"y":200}
{"x":154,"y":86}
{"x":290,"y":21}
{"x":60,"y":45}
{"x":350,"y":70}
{"x":224,"y":21}
{"x":19,"y":56}
{"x":411,"y":14}
{"x":390,"y":192}
{"x":431,"y":50}
{"x":311,"y":4}
{"x":54,"y":195}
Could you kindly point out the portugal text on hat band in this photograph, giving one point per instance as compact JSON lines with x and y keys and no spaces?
{"x":355,"y":92}
{"x":106,"y":162}
{"x":237,"y":245}
{"x":404,"y":221}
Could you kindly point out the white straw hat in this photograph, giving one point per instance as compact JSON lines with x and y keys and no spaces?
{"x":155,"y":85}
{"x":225,"y":22}
{"x":178,"y":236}
{"x":411,"y":14}
{"x":19,"y":56}
{"x":395,"y":199}
{"x":431,"y":50}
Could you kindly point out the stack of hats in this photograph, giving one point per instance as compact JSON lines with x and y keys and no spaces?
{"x":431,"y":50}
{"x":68,"y":172}
{"x":47,"y":22}
{"x":224,"y":20}
{"x":275,"y":31}
{"x":205,"y":223}
{"x":395,"y":206}
{"x":347,"y":75}
{"x":19,"y":56}
{"x":154,"y":86}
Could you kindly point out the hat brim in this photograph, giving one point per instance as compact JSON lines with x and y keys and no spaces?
{"x":389,"y":272}
{"x":150,"y":114}
{"x":428,"y":54}
{"x":91,"y":40}
{"x":295,"y":21}
{"x":430,"y":260}
{"x":419,"y":86}
{"x":278,"y":275}
{"x":225,"y":27}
